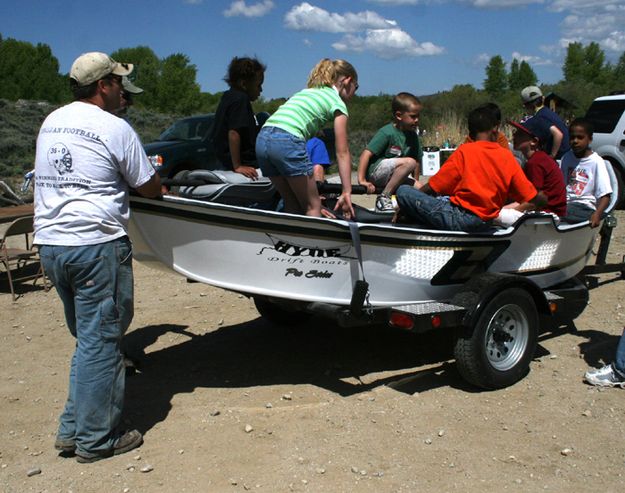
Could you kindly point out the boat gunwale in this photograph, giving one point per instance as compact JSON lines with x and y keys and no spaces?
{"x":197,"y":210}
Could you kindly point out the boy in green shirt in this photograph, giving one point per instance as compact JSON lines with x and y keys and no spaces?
{"x":394,"y":153}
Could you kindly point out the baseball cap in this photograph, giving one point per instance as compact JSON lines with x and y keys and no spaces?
{"x":532,"y":127}
{"x":93,"y":66}
{"x":130,"y":87}
{"x":531,"y":93}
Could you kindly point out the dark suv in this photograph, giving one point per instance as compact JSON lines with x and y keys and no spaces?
{"x":186,"y":145}
{"x":607,"y":115}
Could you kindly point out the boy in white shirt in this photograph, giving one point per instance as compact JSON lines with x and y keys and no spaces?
{"x":588,"y":189}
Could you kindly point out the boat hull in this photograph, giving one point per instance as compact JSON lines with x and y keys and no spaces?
{"x":314,"y":259}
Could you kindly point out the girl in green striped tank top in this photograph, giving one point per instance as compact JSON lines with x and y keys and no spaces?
{"x":281,"y":144}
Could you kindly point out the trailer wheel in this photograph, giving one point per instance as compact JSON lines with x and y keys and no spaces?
{"x":280,"y":315}
{"x":498,"y":351}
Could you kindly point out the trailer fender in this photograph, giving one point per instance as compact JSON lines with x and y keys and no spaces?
{"x":479,"y":291}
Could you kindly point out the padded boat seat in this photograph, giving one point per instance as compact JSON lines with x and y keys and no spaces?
{"x":227,"y":187}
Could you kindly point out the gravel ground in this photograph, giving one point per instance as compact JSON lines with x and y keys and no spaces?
{"x":229,"y":403}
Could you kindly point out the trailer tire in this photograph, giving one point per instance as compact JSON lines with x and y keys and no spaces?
{"x":497,"y":351}
{"x":278,"y":314}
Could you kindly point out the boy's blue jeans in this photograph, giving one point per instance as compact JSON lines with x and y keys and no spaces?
{"x":95,"y":283}
{"x":437,"y":212}
{"x":619,"y":361}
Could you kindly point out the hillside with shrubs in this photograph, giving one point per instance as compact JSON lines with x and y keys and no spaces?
{"x":31,"y":86}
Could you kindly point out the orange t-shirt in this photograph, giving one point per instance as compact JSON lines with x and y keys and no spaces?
{"x":480,"y":177}
{"x":501,"y":140}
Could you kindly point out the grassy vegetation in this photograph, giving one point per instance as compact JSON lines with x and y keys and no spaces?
{"x":20,"y":122}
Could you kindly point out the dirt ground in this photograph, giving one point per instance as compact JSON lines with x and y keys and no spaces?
{"x":229,"y":403}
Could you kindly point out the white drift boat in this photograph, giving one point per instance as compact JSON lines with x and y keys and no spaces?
{"x":301,"y":264}
{"x":314,"y":259}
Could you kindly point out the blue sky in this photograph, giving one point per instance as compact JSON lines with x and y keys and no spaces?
{"x":421,"y":46}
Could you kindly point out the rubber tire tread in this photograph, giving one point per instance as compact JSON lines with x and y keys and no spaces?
{"x":470,"y":353}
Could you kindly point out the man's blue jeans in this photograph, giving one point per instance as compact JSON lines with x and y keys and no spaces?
{"x":437,"y":212}
{"x":95,"y":283}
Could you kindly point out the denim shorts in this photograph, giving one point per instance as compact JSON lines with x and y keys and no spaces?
{"x":280,"y":153}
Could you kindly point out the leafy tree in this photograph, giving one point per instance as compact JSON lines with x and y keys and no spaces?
{"x":496,"y":81}
{"x":618,"y":74}
{"x":574,"y":63}
{"x":177,"y":91}
{"x":146,"y":73}
{"x":594,"y":61}
{"x":513,"y":76}
{"x":30,"y":72}
{"x":527,"y":76}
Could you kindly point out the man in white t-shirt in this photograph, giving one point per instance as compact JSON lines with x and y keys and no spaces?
{"x":588,"y":189}
{"x":86,"y":161}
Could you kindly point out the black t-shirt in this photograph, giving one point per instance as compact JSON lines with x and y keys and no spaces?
{"x":235,"y":113}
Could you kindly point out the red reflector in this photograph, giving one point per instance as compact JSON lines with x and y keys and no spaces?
{"x":401,"y":320}
{"x":436,"y":321}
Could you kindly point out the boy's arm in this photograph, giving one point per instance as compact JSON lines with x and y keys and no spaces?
{"x":602,"y":205}
{"x":557,"y":140}
{"x":234,"y":143}
{"x":363,"y":165}
{"x":539,"y":201}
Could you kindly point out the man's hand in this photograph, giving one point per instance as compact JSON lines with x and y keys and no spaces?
{"x":248,"y":171}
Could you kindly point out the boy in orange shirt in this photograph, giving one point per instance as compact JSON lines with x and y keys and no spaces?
{"x":473,"y":185}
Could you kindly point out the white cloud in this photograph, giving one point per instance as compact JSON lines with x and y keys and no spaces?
{"x":565,"y":5}
{"x":397,"y":2}
{"x":387,"y":43}
{"x":502,"y":4}
{"x":239,"y":7}
{"x":481,"y":60}
{"x":601,"y":21}
{"x":615,"y":41}
{"x":531,"y":59}
{"x":306,"y":17}
{"x":193,"y":2}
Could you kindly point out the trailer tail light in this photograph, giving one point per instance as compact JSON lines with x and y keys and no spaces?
{"x":401,"y":320}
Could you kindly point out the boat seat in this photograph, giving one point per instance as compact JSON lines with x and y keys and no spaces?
{"x":226,"y":187}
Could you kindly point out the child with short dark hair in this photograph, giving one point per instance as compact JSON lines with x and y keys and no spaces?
{"x":235,"y":128}
{"x":501,"y":137}
{"x":469,"y":191}
{"x":540,"y":168}
{"x":588,"y":182}
{"x":394,"y":153}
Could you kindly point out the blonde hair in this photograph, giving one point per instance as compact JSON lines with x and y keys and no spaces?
{"x":327,"y":72}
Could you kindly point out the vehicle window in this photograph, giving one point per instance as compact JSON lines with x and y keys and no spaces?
{"x":604,"y":115}
{"x":189,"y":129}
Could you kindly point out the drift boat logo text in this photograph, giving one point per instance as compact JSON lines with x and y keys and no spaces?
{"x":316,"y":252}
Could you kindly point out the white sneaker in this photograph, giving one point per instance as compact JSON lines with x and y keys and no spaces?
{"x":384,"y":203}
{"x":605,"y":377}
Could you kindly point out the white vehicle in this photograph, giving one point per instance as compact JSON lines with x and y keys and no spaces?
{"x":607,"y":115}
